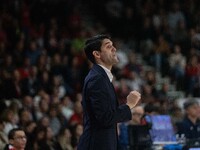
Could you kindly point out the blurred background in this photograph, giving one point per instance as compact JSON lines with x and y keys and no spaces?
{"x":43,"y":65}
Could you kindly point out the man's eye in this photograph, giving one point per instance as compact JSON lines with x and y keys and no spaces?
{"x":109,"y":46}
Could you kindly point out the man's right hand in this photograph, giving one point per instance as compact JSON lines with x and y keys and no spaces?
{"x":133,"y":98}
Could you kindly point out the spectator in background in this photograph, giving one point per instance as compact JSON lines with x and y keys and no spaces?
{"x":43,"y":107}
{"x":177,"y":63}
{"x":150,"y":77}
{"x":75,"y":72}
{"x":44,"y":121}
{"x":151,"y":109}
{"x":3,"y":136}
{"x":30,"y":84}
{"x":175,"y":15}
{"x":176,"y":114}
{"x":15,"y":106}
{"x":135,"y":82}
{"x":77,"y":116}
{"x":67,"y":107}
{"x":11,"y":86}
{"x":17,"y":139}
{"x":44,"y":139}
{"x":180,"y":34}
{"x":33,"y":52}
{"x":122,"y":53}
{"x":43,"y":63}
{"x":18,"y":52}
{"x":137,"y":114}
{"x":29,"y":130}
{"x":160,"y":55}
{"x":162,"y":93}
{"x":113,"y":15}
{"x":28,"y":103}
{"x":54,"y":121}
{"x":25,"y":116}
{"x":25,"y":68}
{"x":10,"y":120}
{"x":147,"y":94}
{"x":132,"y":65}
{"x":190,"y":125}
{"x":56,"y":65}
{"x":44,"y":80}
{"x":51,"y":141}
{"x":64,"y":139}
{"x":122,"y":91}
{"x":58,"y":88}
{"x":40,"y":135}
{"x":192,"y":72}
{"x":7,"y":65}
{"x":77,"y":131}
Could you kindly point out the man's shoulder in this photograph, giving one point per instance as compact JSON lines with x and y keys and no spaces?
{"x":96,"y":73}
{"x":185,"y":122}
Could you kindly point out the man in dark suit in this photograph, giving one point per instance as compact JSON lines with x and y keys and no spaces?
{"x":100,"y":106}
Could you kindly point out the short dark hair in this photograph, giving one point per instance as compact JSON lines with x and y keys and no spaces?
{"x":149,"y":108}
{"x":12,"y":132}
{"x":189,"y":103}
{"x":92,"y":44}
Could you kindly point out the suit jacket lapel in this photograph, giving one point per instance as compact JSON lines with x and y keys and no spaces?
{"x":101,"y":71}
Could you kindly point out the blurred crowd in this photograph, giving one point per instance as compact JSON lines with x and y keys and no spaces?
{"x":42,"y":62}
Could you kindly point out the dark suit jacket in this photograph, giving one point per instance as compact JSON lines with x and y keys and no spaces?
{"x":189,"y":129}
{"x":101,"y":112}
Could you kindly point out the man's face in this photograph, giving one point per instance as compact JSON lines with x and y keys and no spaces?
{"x":137,"y":115}
{"x":108,"y":55}
{"x":19,"y":140}
{"x":193,"y":110}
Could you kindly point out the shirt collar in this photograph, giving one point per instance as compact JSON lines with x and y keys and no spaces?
{"x":108,"y":72}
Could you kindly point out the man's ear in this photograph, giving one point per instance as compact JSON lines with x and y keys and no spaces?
{"x":11,"y":141}
{"x":96,"y":54}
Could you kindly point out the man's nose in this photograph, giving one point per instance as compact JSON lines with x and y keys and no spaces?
{"x":114,"y":49}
